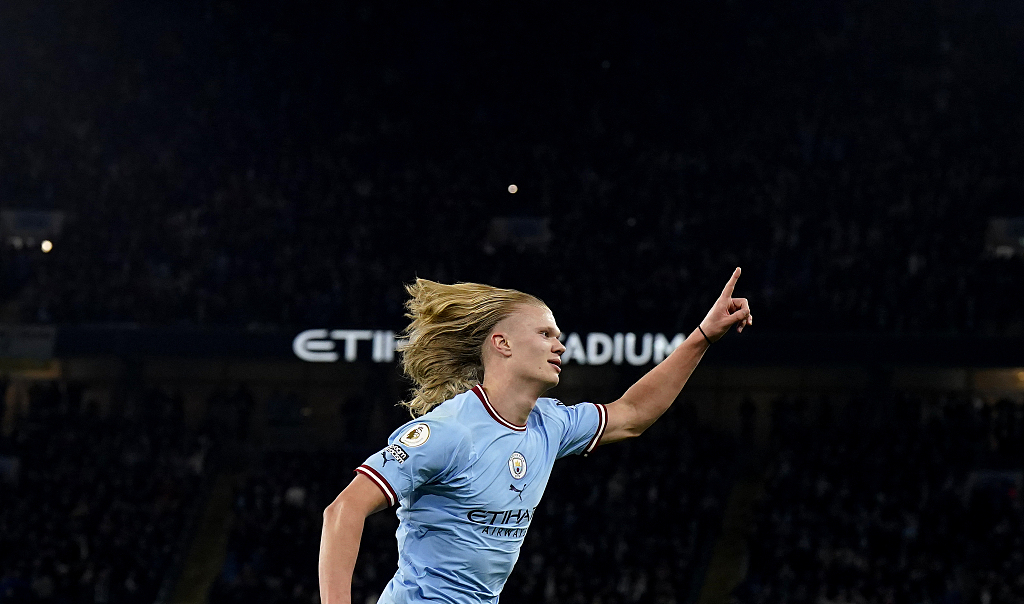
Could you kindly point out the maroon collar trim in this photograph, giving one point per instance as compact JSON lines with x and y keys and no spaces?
{"x":479,"y":391}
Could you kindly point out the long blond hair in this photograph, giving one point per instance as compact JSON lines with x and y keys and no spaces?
{"x":444,"y":347}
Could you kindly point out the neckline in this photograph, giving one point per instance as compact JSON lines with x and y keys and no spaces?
{"x":478,"y":390}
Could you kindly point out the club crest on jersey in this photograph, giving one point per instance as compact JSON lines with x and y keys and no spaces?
{"x":517,"y":465}
{"x":415,"y":435}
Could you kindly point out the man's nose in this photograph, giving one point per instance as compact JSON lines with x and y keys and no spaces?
{"x":559,"y":349}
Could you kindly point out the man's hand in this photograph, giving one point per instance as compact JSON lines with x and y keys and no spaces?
{"x":726,"y":312}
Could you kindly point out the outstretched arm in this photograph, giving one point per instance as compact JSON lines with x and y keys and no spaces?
{"x":339,"y":541}
{"x":654,"y":393}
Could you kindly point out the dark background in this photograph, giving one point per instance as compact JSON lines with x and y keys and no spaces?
{"x":266,"y":164}
{"x":241,"y":171}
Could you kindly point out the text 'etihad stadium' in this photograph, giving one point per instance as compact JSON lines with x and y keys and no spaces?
{"x":379,"y":346}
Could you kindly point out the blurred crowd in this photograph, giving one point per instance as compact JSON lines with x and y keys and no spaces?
{"x":275,"y":536}
{"x":219,"y":164}
{"x":94,"y":507}
{"x":896,"y":499}
{"x":634,"y":522}
{"x":870,"y":497}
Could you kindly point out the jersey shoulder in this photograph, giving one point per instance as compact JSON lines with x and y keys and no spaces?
{"x":442,"y":424}
{"x":551,"y":408}
{"x":552,"y":411}
{"x":546,"y":404}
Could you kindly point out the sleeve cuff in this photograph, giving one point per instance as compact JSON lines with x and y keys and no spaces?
{"x":381,"y":483}
{"x":602,"y":423}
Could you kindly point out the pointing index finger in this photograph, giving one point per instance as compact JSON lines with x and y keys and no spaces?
{"x":727,"y":292}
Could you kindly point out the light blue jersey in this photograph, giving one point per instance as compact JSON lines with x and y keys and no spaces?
{"x":468,"y":483}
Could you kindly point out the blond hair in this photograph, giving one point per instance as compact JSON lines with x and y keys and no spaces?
{"x":443,"y":352}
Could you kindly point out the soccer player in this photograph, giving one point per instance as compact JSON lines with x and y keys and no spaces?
{"x":467,"y":473}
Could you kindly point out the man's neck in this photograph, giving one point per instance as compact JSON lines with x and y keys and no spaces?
{"x":513,"y":402}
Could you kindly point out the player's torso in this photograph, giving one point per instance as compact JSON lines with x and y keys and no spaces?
{"x":460,"y":533}
{"x":494,"y":493}
{"x":499,"y":493}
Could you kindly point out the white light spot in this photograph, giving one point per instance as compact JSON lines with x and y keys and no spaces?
{"x":512,"y":189}
{"x":46,"y":246}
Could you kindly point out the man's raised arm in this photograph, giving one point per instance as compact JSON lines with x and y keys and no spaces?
{"x":339,"y":541}
{"x":653,"y":394}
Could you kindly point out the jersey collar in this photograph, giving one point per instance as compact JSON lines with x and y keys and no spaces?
{"x":479,"y":391}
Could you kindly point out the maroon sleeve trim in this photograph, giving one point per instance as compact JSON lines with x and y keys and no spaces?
{"x":602,"y":423}
{"x":381,"y":483}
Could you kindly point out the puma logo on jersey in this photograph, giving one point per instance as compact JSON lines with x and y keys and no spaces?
{"x":519,"y":492}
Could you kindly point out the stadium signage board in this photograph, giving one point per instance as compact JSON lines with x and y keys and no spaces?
{"x":596,"y":348}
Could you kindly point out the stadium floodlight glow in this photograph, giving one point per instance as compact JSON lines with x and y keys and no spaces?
{"x":46,"y":246}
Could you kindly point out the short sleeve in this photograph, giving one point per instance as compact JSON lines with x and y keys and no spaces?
{"x":418,"y":453}
{"x":583,"y":427}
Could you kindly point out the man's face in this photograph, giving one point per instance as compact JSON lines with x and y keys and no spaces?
{"x":532,"y":336}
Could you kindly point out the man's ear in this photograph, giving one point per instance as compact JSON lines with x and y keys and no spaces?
{"x":500,"y":344}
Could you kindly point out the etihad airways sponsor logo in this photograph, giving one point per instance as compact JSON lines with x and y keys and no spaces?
{"x":504,"y":523}
{"x":500,"y":517}
{"x":594,"y":348}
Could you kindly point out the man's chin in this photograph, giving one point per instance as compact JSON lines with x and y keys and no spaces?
{"x":545,"y":383}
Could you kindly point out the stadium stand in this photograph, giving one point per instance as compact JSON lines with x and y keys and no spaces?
{"x":255,"y":165}
{"x":850,"y":164}
{"x":94,"y":506}
{"x":275,"y":537}
{"x":898,"y":498}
